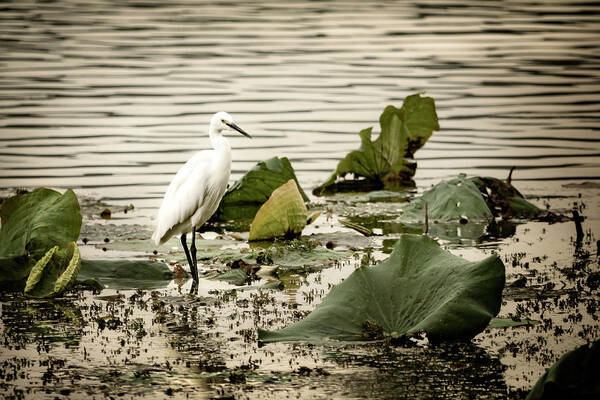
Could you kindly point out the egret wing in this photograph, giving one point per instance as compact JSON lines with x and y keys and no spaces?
{"x":184,"y":195}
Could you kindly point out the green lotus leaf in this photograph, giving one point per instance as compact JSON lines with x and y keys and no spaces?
{"x":383,"y":162}
{"x":236,"y":276}
{"x":127,"y":274}
{"x":243,"y":199}
{"x":574,"y":376}
{"x":283,"y":215}
{"x":54,"y":273}
{"x":476,"y":199}
{"x":32,"y":224}
{"x":420,"y":287}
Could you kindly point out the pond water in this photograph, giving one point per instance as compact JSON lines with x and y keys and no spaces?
{"x":111,"y":97}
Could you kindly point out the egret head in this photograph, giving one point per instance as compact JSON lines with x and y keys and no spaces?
{"x":222,"y":121}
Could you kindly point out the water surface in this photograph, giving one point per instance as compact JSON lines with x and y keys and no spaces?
{"x":110,"y":98}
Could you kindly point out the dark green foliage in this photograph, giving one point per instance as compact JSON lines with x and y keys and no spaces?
{"x":127,"y":274}
{"x":243,"y":199}
{"x":470,"y":199}
{"x":574,"y":376}
{"x":386,"y":161}
{"x":32,"y":224}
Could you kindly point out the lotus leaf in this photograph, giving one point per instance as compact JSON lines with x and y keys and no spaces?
{"x":383,"y":162}
{"x":476,"y":199}
{"x":235,"y":276}
{"x":283,"y":215}
{"x":574,"y":376}
{"x":243,"y":199}
{"x":54,"y":273}
{"x":32,"y":224}
{"x":420,"y":287}
{"x":127,"y":274}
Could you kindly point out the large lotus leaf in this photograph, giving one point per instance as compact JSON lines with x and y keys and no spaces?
{"x":403,"y":131}
{"x":54,"y":273}
{"x":127,"y":274}
{"x":32,"y":224}
{"x":283,"y":215}
{"x":449,"y":201}
{"x":244,"y":197}
{"x":420,"y":287}
{"x":574,"y":376}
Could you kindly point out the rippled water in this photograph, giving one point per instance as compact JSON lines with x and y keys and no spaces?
{"x":111,"y":97}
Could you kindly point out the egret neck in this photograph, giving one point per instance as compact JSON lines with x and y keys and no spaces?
{"x":221,"y":146}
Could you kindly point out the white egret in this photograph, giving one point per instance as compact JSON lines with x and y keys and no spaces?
{"x":196,"y":190}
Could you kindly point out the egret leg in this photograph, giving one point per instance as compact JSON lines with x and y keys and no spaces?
{"x":193,"y":250}
{"x":187,"y":253}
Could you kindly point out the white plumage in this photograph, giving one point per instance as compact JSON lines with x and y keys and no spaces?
{"x":193,"y":195}
{"x":196,"y":190}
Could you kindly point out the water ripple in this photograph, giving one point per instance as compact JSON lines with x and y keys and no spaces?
{"x":116,"y":95}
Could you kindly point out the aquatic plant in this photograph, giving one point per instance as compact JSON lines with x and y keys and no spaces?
{"x":387,"y":161}
{"x":419,"y":288}
{"x":282,"y":215}
{"x":243,"y":199}
{"x":32,"y":224}
{"x":575,"y":375}
{"x":465,"y":199}
{"x":127,"y":274}
{"x":54,"y":273}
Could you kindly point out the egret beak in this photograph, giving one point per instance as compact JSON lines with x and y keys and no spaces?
{"x":237,"y":128}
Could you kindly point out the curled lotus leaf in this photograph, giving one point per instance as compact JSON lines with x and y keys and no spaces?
{"x":54,"y":273}
{"x":32,"y":224}
{"x":449,"y":201}
{"x":283,"y":215}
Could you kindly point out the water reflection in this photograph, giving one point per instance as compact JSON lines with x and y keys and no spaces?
{"x":449,"y":371}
